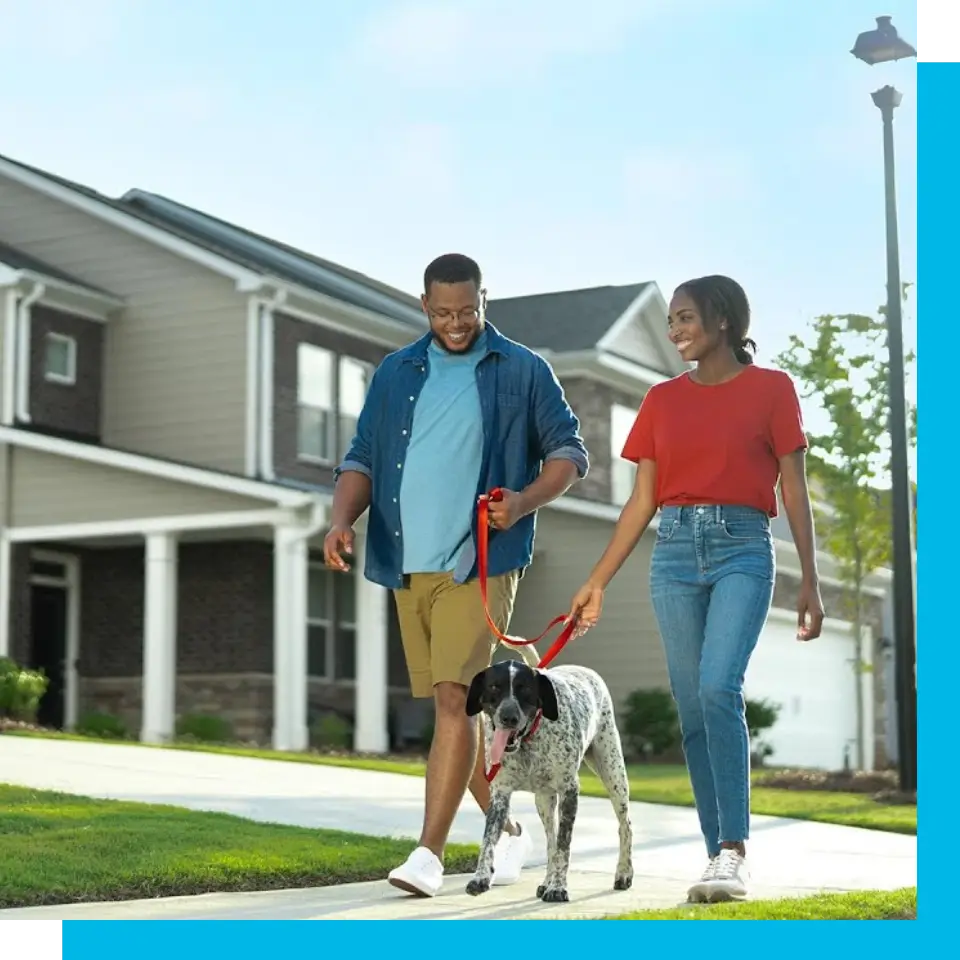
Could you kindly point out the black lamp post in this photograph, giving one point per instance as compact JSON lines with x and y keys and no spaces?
{"x":884,"y":45}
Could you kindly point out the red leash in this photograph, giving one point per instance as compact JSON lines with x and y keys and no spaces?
{"x":483,"y":532}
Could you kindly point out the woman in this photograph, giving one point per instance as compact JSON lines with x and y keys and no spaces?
{"x":710,"y":446}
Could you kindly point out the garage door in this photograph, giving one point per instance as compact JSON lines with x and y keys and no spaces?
{"x":814,"y":685}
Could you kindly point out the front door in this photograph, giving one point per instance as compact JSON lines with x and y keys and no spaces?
{"x":48,"y":630}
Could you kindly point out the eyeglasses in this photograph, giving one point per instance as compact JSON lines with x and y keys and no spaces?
{"x":468,"y":313}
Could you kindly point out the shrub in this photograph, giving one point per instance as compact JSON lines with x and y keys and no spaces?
{"x":650,"y":722}
{"x":106,"y":726}
{"x":20,"y":691}
{"x":330,"y":731}
{"x":761,"y":715}
{"x":204,"y":727}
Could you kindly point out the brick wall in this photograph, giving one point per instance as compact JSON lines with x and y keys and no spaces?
{"x":591,"y":402}
{"x":72,"y":409}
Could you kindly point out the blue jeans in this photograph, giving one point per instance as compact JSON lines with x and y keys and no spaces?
{"x":711,"y":582}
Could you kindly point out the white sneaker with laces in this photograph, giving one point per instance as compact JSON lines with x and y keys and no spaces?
{"x":509,"y":857}
{"x":728,"y":878}
{"x":420,"y":874}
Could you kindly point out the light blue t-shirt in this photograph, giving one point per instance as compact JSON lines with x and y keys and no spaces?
{"x":444,"y":455}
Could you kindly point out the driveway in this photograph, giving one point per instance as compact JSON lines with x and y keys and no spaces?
{"x":788,"y":858}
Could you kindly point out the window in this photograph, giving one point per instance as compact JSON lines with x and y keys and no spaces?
{"x":60,"y":358}
{"x":622,"y":472}
{"x":330,"y":395}
{"x":315,"y":409}
{"x":331,"y":625}
{"x":354,"y":380}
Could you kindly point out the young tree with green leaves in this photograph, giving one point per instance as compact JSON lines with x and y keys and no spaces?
{"x":842,"y":367}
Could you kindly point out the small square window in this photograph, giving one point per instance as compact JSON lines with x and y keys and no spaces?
{"x":60,"y":358}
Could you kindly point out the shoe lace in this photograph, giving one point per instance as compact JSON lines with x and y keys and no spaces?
{"x":726,"y":865}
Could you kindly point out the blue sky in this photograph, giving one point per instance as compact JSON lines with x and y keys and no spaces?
{"x":562,"y":144}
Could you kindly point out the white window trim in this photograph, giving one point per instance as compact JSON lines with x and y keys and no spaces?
{"x":330,"y":625}
{"x":70,"y":378}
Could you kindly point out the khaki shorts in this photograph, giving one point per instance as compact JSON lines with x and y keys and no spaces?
{"x":446,"y":637}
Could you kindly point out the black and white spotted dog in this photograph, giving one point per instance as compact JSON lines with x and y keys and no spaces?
{"x":541,"y":725}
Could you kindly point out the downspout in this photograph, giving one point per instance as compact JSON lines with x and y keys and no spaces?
{"x":23,"y":351}
{"x":266,"y":328}
{"x":10,"y":314}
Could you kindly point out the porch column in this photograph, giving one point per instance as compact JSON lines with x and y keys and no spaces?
{"x":370,"y":732}
{"x":159,"y":639}
{"x":289,"y":640}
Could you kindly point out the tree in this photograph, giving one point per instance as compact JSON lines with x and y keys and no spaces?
{"x":842,"y":367}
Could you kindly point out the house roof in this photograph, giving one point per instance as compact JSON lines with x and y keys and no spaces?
{"x":261,"y":255}
{"x":564,"y":321}
{"x":18,"y":260}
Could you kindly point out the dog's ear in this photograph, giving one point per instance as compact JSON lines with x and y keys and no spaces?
{"x":474,"y":693}
{"x":548,"y":696}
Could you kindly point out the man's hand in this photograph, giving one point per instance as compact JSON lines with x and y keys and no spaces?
{"x":503,"y":514}
{"x":338,"y":540}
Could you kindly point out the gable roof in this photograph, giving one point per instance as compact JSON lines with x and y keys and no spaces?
{"x":18,"y":260}
{"x":564,"y":321}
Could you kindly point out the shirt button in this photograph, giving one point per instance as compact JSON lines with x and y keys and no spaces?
{"x":399,"y":467}
{"x":699,"y":509}
{"x":397,"y":534}
{"x":411,"y":398}
{"x":404,"y":432}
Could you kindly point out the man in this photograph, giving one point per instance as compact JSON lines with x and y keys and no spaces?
{"x":461,"y":410}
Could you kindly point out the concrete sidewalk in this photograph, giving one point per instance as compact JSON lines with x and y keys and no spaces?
{"x":787,"y":857}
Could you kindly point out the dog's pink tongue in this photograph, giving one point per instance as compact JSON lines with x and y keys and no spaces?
{"x":500,"y":739}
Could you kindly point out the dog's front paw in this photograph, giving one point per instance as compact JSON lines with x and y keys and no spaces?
{"x":623,"y":881}
{"x":553,"y":895}
{"x":477,"y":886}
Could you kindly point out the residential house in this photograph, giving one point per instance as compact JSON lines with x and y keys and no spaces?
{"x":176,"y":391}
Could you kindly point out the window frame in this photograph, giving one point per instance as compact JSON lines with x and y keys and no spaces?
{"x":331,"y":624}
{"x":620,"y":470}
{"x":334,"y":439}
{"x":69,"y":378}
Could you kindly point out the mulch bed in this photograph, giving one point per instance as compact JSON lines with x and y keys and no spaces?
{"x":882,"y":785}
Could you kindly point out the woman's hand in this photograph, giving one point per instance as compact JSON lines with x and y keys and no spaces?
{"x":585,"y":608}
{"x":809,"y":605}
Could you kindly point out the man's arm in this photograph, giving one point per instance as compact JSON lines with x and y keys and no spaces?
{"x":561,"y":446}
{"x":357,"y":464}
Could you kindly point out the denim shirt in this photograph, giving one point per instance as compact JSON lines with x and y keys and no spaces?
{"x":526,"y":422}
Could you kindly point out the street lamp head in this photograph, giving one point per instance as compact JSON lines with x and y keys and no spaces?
{"x":882,"y":45}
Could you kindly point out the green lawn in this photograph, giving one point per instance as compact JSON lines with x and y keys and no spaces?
{"x":60,"y":848}
{"x":651,"y":783}
{"x":868,"y":905}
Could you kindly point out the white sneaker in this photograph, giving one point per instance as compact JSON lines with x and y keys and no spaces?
{"x":698,"y":892}
{"x":510,"y":856}
{"x":421,"y":874}
{"x":725,"y":879}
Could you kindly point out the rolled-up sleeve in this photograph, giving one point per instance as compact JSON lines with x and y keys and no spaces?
{"x":557,"y":426}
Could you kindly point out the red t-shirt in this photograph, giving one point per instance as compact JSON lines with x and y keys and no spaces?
{"x":718,"y":444}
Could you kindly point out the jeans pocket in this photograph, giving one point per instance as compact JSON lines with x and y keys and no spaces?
{"x":743,"y":529}
{"x":666,"y":530}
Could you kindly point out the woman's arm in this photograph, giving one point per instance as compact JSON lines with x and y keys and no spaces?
{"x":796,"y":502}
{"x":634,"y":519}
